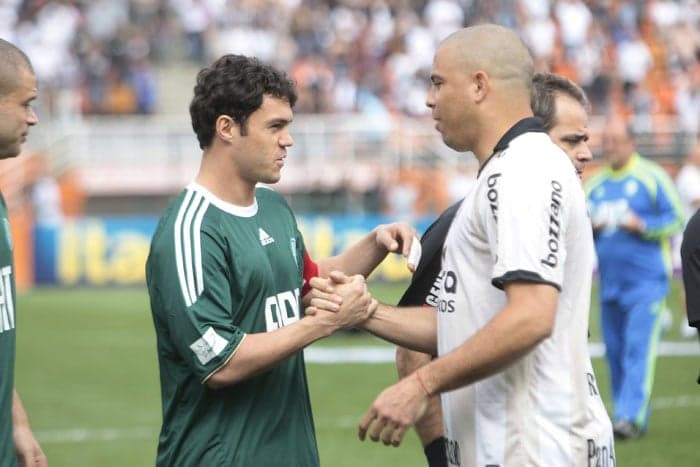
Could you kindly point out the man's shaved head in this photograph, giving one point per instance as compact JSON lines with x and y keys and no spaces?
{"x":480,"y":86}
{"x":494,"y":49}
{"x":18,"y":90}
{"x":12,"y":63}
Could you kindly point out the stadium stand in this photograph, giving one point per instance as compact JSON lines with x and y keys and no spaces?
{"x":116,"y":76}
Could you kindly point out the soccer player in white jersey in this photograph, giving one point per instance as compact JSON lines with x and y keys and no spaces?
{"x":563,"y":107}
{"x":511,"y":321}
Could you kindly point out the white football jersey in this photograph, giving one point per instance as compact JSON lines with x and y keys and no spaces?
{"x":525,"y":220}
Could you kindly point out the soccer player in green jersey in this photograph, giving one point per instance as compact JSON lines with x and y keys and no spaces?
{"x":225,"y":277}
{"x":17,"y":91}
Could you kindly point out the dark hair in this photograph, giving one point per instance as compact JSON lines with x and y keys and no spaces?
{"x":12,"y":61}
{"x":234,"y":85}
{"x":545,"y":87}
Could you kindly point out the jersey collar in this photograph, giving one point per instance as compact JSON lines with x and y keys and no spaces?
{"x":626,"y":169}
{"x":526,"y":125}
{"x":240,"y":211}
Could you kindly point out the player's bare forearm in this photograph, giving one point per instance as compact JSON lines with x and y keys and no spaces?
{"x":258,"y":352}
{"x":27,"y":448}
{"x":411,"y":327}
{"x":408,"y":360}
{"x":365,"y":255}
{"x":429,"y":427}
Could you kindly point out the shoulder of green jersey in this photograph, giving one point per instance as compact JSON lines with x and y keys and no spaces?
{"x":188,"y":245}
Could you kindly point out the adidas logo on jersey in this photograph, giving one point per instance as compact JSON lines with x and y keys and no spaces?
{"x":265,"y":238}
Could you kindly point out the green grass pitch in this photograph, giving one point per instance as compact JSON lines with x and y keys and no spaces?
{"x":86,"y":369}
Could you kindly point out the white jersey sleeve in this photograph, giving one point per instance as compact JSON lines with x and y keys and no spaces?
{"x":529,"y":223}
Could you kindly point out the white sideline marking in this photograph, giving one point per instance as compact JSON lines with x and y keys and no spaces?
{"x":678,"y":402}
{"x":88,"y":435}
{"x":84,"y":435}
{"x":379,"y":354}
{"x":374,"y":354}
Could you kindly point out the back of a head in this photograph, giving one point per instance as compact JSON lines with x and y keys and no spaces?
{"x":12,"y":62}
{"x":545,"y":88}
{"x":496,"y":50}
{"x":234,"y":85}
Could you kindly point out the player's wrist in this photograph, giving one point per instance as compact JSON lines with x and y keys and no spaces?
{"x":321,"y":324}
{"x":421,"y":382}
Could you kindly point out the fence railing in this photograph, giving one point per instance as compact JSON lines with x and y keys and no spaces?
{"x":142,"y":155}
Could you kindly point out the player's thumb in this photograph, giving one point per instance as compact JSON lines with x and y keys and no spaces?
{"x":339,"y":277}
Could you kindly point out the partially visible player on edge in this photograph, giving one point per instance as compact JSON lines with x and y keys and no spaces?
{"x":225,"y":274}
{"x":690,"y":260}
{"x":18,"y":90}
{"x":563,"y":107}
{"x":513,"y":296}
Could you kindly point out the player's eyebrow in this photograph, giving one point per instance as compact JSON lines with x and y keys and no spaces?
{"x":576,"y":137}
{"x":280,"y":121}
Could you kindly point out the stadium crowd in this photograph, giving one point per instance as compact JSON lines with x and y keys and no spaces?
{"x":637,"y":58}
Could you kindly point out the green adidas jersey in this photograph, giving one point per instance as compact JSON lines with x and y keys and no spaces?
{"x":7,"y":340}
{"x":216,"y":272}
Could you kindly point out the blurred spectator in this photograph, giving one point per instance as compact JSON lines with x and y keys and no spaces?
{"x":574,"y":19}
{"x":45,"y":194}
{"x":633,"y":61}
{"x":73,"y":196}
{"x":314,"y":84}
{"x":196,"y":16}
{"x":688,"y":98}
{"x":402,"y":194}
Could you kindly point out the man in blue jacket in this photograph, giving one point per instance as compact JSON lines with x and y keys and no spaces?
{"x":635,"y":209}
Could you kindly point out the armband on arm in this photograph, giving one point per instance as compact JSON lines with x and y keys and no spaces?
{"x":310,"y":271}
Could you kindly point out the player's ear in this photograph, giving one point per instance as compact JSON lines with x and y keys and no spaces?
{"x":226,"y":128}
{"x":480,"y":85}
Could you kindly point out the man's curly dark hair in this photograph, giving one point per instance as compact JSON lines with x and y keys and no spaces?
{"x":234,"y":85}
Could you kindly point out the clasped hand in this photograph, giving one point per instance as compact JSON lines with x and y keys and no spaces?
{"x":343,"y":300}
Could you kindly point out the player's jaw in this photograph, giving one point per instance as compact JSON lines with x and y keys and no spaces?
{"x":437,"y":126}
{"x":11,"y":142}
{"x":13,"y":133}
{"x":271,"y":170}
{"x":278,"y":164}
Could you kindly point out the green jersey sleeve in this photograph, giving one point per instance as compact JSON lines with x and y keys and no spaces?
{"x":188,"y":281}
{"x":204,"y":332}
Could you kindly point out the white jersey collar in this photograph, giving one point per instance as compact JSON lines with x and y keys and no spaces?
{"x":240,"y":211}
